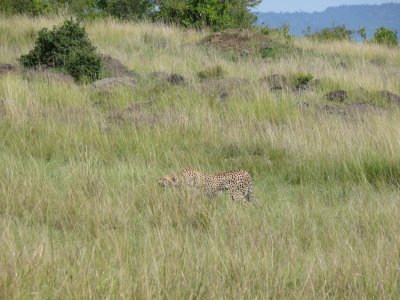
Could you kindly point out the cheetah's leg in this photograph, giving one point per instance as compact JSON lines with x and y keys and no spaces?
{"x":236,"y":195}
{"x":249,"y":193}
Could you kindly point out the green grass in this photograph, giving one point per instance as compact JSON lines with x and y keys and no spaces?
{"x":82,"y":215}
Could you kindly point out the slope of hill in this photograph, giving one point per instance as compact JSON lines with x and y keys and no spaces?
{"x":82,"y":215}
{"x":352,"y":16}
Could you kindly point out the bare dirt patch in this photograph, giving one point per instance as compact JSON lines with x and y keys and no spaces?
{"x":390,"y":97}
{"x":7,"y":68}
{"x":290,"y":82}
{"x":242,"y":41}
{"x":115,"y":68}
{"x":250,"y":42}
{"x":171,"y":78}
{"x":337,"y":96}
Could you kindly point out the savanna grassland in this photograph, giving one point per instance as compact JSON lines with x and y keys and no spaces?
{"x":81,"y":212}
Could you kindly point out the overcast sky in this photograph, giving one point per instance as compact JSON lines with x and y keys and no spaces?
{"x":310,"y":5}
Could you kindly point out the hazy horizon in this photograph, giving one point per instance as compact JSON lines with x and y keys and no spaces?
{"x":312,"y":5}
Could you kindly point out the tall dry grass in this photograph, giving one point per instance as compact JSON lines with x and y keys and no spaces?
{"x":82,"y":216}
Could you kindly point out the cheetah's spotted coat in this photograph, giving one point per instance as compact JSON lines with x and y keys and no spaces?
{"x":238,"y":183}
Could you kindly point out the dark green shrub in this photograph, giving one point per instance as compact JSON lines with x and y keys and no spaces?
{"x":268,"y":52}
{"x":30,"y":7}
{"x":337,"y":33}
{"x":67,"y":48}
{"x":385,"y":36}
{"x":215,"y":14}
{"x":122,"y":9}
{"x":302,"y":79}
{"x":83,"y":64}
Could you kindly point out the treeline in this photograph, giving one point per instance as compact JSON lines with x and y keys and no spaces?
{"x":128,"y":9}
{"x":382,"y":35}
{"x":215,"y":14}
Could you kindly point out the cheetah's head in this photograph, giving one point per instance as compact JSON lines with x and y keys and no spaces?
{"x":168,"y":180}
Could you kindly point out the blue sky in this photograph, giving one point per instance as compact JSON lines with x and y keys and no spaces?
{"x":310,"y":5}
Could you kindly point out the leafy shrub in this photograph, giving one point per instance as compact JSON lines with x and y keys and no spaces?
{"x":67,"y":48}
{"x":83,"y":64}
{"x":337,"y":33}
{"x":268,"y":52}
{"x":122,"y":9}
{"x":215,"y":14}
{"x":212,"y":72}
{"x":32,"y":7}
{"x":385,"y":36}
{"x":302,"y":79}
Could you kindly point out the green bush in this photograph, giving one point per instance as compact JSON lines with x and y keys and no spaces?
{"x":385,"y":36}
{"x":30,"y":7}
{"x":302,"y":79}
{"x":215,"y":14}
{"x":67,"y":48}
{"x":337,"y":33}
{"x":83,"y":64}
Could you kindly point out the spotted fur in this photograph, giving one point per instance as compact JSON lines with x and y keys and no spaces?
{"x":238,"y":183}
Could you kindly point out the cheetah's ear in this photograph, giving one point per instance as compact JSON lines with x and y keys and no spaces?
{"x":173,"y":178}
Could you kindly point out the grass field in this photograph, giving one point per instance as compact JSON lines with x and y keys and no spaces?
{"x":81,"y":212}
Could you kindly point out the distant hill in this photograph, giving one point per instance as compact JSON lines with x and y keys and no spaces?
{"x":352,"y":16}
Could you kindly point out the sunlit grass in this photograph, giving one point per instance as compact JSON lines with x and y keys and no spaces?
{"x":81,"y":212}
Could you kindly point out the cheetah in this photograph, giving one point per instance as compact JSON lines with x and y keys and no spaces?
{"x":238,"y":183}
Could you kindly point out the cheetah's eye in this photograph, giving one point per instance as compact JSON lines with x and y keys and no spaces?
{"x":173,"y":179}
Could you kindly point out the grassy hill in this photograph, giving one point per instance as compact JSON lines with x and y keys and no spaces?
{"x":81,"y":212}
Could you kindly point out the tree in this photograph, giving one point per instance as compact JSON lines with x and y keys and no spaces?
{"x":386,"y":36}
{"x":336,"y":33}
{"x":127,"y":9}
{"x":216,"y":14}
{"x":31,"y":7}
{"x":363,"y":33}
